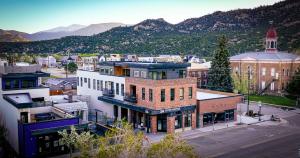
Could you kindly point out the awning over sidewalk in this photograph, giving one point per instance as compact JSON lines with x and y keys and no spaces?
{"x":142,"y":109}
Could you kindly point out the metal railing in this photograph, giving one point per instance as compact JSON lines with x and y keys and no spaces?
{"x":130,"y":98}
{"x":108,"y":92}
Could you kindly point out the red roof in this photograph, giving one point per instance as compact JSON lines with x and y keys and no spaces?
{"x":272,"y":33}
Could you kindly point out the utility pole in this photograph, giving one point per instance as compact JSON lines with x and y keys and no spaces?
{"x":248,"y":100}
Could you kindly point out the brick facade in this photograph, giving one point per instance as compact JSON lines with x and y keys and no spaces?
{"x":283,"y":73}
{"x":156,"y":86}
{"x":170,"y":124}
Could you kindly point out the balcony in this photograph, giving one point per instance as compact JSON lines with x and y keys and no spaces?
{"x":130,"y":98}
{"x":108,"y":92}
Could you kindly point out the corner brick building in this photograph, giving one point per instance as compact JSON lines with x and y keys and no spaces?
{"x":269,"y":70}
{"x":154,"y":97}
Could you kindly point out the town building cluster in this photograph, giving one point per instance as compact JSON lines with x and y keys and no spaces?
{"x":156,"y":94}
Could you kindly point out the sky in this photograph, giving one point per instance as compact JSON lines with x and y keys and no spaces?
{"x":36,"y":15}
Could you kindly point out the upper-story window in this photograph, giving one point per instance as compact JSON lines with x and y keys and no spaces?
{"x":162,"y":95}
{"x":190,"y":92}
{"x":263,"y":71}
{"x":101,"y":85}
{"x":98,"y":85}
{"x":172,"y":94}
{"x":153,"y":75}
{"x":126,"y":72}
{"x":150,"y":95}
{"x":143,"y":94}
{"x":117,"y":88}
{"x":181,"y":93}
{"x":136,"y":73}
{"x":94,"y":84}
{"x":182,"y":73}
{"x":287,"y":72}
{"x":283,"y":72}
{"x":163,"y":75}
{"x":77,"y":81}
{"x":81,"y":81}
{"x":122,"y":89}
{"x":89,"y":83}
{"x":273,"y":72}
{"x":85,"y":80}
{"x":143,"y":74}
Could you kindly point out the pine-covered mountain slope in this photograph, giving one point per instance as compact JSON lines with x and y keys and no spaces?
{"x":244,"y":28}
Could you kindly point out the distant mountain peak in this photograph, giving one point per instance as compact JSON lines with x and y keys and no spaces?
{"x":153,"y":24}
{"x":69,"y":28}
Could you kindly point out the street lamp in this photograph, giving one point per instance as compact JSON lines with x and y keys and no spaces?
{"x":68,"y":61}
{"x":259,"y":112}
{"x":248,"y":99}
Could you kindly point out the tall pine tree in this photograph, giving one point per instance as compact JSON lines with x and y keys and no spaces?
{"x":219,"y":75}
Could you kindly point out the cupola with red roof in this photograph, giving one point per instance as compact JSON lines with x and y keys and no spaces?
{"x":271,"y":40}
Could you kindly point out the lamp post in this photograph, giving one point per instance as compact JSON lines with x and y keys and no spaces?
{"x":259,"y":113}
{"x":248,"y":98}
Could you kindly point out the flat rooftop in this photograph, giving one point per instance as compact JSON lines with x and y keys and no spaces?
{"x":205,"y":94}
{"x":147,"y":65}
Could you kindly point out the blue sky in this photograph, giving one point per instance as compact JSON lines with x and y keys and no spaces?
{"x":37,"y":15}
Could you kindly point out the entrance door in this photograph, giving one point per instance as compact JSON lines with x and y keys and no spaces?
{"x":162,"y":123}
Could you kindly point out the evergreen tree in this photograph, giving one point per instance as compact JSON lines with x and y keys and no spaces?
{"x":219,"y":77}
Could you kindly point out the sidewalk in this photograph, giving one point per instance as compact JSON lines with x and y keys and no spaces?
{"x":245,"y":120}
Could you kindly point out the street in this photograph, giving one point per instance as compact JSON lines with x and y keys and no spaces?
{"x":258,"y":140}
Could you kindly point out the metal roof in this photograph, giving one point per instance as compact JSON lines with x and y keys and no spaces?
{"x":266,"y":56}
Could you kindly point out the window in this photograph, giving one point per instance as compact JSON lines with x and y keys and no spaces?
{"x":110,"y":71}
{"x":143,"y":74}
{"x":181,"y":93}
{"x":89,"y":83}
{"x":94,"y":83}
{"x":273,"y":72}
{"x":106,"y":71}
{"x":85,"y":80}
{"x":272,"y":86}
{"x":122,"y":89}
{"x":162,"y":95}
{"x":7,"y":84}
{"x":172,"y":94}
{"x":187,"y":120}
{"x":163,"y":75}
{"x":101,"y":85}
{"x":283,"y":72}
{"x":81,"y":82}
{"x":263,"y":85}
{"x":15,"y":84}
{"x":143,"y":94}
{"x":77,"y":81}
{"x":150,"y":95}
{"x":190,"y":92}
{"x":98,"y":85}
{"x":287,"y":72}
{"x":182,"y":73}
{"x":117,"y":88}
{"x":136,"y":73}
{"x":153,"y":75}
{"x":178,"y":121}
{"x":263,"y":71}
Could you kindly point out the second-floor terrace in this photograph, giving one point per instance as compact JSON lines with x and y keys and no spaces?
{"x":153,"y":71}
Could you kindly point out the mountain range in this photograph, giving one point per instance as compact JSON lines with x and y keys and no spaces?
{"x":244,"y":28}
{"x":58,"y":32}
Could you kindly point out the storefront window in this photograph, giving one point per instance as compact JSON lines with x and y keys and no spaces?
{"x":187,"y":120}
{"x":178,"y":121}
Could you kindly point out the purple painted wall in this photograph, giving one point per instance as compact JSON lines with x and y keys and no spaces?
{"x":28,"y":143}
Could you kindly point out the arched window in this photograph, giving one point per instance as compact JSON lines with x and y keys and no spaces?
{"x":272,"y":44}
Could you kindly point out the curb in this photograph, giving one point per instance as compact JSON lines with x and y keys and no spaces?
{"x":273,"y":105}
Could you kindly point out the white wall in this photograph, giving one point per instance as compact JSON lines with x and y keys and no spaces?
{"x":34,"y":93}
{"x":10,"y":116}
{"x":94,"y":93}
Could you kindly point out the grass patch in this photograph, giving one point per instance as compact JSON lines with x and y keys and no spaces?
{"x":277,"y":100}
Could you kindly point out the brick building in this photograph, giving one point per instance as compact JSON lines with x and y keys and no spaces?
{"x":216,"y":106}
{"x":199,"y":71}
{"x":269,"y":71}
{"x":156,"y":97}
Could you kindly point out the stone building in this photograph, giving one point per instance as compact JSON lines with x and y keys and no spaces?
{"x":269,"y":71}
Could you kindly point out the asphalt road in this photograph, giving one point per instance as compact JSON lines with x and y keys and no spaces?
{"x":253,"y":141}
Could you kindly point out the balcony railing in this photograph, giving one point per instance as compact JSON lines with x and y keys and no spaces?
{"x":108,"y":92}
{"x":42,"y":103}
{"x":130,"y":98}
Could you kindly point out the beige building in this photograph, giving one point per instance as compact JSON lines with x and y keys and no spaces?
{"x":270,"y":70}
